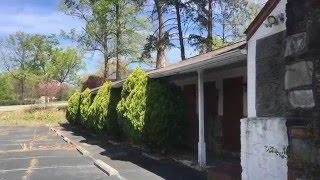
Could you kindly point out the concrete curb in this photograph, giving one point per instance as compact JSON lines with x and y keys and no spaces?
{"x":106,"y":168}
{"x":82,"y":151}
{"x":110,"y":171}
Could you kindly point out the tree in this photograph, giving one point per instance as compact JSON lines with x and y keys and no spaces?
{"x":112,"y":28}
{"x":16,"y":57}
{"x":65,"y":64}
{"x":159,"y":41}
{"x":233,"y":17}
{"x":7,"y":95}
{"x":178,"y":6}
{"x":202,"y":13}
{"x":50,"y":89}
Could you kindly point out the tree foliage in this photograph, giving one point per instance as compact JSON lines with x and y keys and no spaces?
{"x":7,"y":95}
{"x":32,"y":58}
{"x":111,"y":27}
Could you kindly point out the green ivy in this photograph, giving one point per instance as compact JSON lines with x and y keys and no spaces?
{"x":85,"y":108}
{"x":73,"y":109}
{"x":132,"y":106}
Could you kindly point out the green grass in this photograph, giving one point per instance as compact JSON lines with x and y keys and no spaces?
{"x":35,"y":117}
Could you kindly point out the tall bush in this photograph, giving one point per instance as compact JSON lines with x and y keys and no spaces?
{"x":73,"y":109}
{"x":99,"y":108}
{"x":113,"y":127}
{"x":85,"y":108}
{"x":151,"y":111}
{"x":164,"y":125}
{"x":132,"y":105}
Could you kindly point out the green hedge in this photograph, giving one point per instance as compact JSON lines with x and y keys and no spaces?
{"x":112,"y":126}
{"x":151,"y":111}
{"x":103,"y":110}
{"x":132,"y":106}
{"x":73,"y":109}
{"x":99,"y":107}
{"x":164,"y":125}
{"x":144,"y":111}
{"x":85,"y":109}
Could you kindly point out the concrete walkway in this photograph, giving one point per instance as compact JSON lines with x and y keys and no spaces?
{"x":129,"y":162}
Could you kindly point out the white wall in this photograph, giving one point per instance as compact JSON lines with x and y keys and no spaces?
{"x":256,"y":162}
{"x":257,"y":133}
{"x":260,"y":33}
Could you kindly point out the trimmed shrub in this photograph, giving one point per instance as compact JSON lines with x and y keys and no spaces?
{"x":85,"y":108}
{"x":73,"y":109}
{"x":164,"y":125}
{"x":99,"y":108}
{"x":132,"y":106}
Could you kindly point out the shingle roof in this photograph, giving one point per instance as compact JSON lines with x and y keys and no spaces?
{"x":193,"y":61}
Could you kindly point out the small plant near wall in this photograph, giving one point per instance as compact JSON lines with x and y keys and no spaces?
{"x":73,"y":109}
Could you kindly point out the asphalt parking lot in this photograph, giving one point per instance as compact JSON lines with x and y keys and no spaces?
{"x":36,"y":153}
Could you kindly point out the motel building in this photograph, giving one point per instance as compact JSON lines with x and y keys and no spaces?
{"x":253,"y":95}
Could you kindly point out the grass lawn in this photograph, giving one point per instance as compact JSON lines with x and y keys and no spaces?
{"x":34,"y":117}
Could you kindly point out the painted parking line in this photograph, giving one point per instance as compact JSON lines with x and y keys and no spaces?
{"x":37,"y":157}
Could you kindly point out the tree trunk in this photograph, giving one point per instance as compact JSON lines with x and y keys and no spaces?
{"x":161,"y":56}
{"x":118,"y":34}
{"x":22,"y":83}
{"x":210,"y":26}
{"x":181,"y":40}
{"x":106,"y":69}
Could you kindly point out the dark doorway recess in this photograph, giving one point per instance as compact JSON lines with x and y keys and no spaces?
{"x":232,"y":113}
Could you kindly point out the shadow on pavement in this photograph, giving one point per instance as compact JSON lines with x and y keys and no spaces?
{"x":166,"y":169}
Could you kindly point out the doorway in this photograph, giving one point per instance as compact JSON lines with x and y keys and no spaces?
{"x":232,"y":113}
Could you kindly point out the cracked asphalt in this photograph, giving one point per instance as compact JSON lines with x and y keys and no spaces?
{"x":36,"y":153}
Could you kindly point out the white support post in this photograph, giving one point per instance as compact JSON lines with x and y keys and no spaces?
{"x":201,"y":143}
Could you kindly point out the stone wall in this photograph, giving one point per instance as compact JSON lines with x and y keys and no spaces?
{"x":271,"y":97}
{"x":257,"y":134}
{"x":302,"y":55}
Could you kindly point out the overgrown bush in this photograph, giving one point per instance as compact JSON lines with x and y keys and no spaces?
{"x":164,"y":125}
{"x":132,"y":106}
{"x":99,"y":108}
{"x":73,"y":109}
{"x":151,"y":111}
{"x":112,"y":126}
{"x":85,"y":108}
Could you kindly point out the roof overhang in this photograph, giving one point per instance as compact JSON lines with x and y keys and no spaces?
{"x":229,"y":55}
{"x":261,"y":17}
{"x":228,"y":58}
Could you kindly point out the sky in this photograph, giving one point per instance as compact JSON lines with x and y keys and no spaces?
{"x":43,"y":16}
